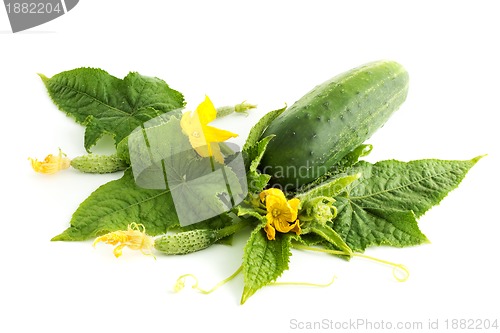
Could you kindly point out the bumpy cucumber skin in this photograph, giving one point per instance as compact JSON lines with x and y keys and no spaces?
{"x":186,"y":242}
{"x":331,"y":120}
{"x":94,"y":163}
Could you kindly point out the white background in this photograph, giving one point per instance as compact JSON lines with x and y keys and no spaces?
{"x":268,"y":53}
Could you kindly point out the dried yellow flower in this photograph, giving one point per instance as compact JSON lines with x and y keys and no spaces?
{"x":134,"y":238}
{"x":51,"y":164}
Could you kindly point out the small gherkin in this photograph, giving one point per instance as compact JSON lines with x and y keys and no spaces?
{"x":95,"y":163}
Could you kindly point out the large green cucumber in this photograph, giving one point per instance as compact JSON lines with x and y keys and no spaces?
{"x":331,"y":120}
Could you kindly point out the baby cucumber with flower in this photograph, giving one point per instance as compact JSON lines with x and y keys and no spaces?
{"x":334,"y":118}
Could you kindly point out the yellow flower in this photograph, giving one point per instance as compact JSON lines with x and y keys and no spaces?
{"x":134,"y":238}
{"x":51,"y":164}
{"x":281,"y":213}
{"x":203,"y":138}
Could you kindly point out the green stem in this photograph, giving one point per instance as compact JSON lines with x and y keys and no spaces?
{"x":180,"y":284}
{"x":307,"y":284}
{"x":331,"y":236}
{"x":224,"y":111}
{"x":403,"y":275}
{"x":260,"y":210}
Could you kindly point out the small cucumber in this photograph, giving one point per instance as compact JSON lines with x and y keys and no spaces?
{"x":243,"y":107}
{"x":186,"y":242}
{"x":94,"y":163}
{"x":194,"y":240}
{"x":334,"y":118}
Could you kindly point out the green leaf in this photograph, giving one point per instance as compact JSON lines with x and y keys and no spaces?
{"x":116,"y":204}
{"x":352,"y":158}
{"x":253,"y":154}
{"x":311,"y":239}
{"x":257,"y":130}
{"x":257,"y":181}
{"x":331,"y":236}
{"x":381,"y":208}
{"x":340,"y":168}
{"x":106,"y":104}
{"x":254,"y":149}
{"x":264,"y":260}
{"x":245,"y":211}
{"x":330,"y":188}
{"x":416,"y":185}
{"x":363,"y":227}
